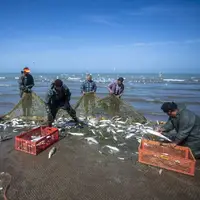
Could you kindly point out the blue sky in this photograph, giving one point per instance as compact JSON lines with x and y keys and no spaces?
{"x":100,"y":35}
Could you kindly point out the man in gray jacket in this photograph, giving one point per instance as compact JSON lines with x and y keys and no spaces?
{"x":186,"y":124}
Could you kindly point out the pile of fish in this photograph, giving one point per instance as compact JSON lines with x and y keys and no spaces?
{"x":17,"y":123}
{"x":112,"y":136}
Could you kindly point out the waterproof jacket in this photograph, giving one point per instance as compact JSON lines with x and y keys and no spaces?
{"x":57,"y":98}
{"x":26,"y":82}
{"x":187,"y":126}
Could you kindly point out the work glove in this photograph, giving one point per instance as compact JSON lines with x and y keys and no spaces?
{"x":22,"y":87}
{"x":27,"y":89}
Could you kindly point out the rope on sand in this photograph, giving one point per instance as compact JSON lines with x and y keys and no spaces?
{"x":7,"y":186}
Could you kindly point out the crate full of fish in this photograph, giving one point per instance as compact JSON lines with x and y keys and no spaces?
{"x":179,"y":159}
{"x":36,"y":140}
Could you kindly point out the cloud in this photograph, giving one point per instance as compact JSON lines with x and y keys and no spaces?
{"x":162,"y":9}
{"x":151,"y":10}
{"x":192,"y":41}
{"x":163,"y":43}
{"x":154,"y":43}
{"x":104,"y":20}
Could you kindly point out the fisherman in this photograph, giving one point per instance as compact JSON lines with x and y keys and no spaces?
{"x":186,"y":124}
{"x":26,"y":85}
{"x":88,"y":89}
{"x":59,"y":97}
{"x":116,"y":89}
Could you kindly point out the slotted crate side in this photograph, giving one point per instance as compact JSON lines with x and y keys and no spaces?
{"x":154,"y":146}
{"x":182,"y":163}
{"x":23,"y":141}
{"x":25,"y":146}
{"x":179,"y":165}
{"x":47,"y":141}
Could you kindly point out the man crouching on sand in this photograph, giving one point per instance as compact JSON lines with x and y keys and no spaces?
{"x":58,"y":97}
{"x":186,"y":125}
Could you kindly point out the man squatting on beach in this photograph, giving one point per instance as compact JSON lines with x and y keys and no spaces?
{"x":58,"y":97}
{"x":186,"y":124}
{"x":88,"y":89}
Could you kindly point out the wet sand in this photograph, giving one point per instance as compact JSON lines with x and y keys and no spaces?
{"x":79,"y":171}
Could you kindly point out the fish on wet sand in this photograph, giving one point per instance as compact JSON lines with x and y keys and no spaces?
{"x":129,"y":135}
{"x":114,"y":149}
{"x":76,"y":134}
{"x":51,"y":152}
{"x":91,"y":140}
{"x":6,"y":137}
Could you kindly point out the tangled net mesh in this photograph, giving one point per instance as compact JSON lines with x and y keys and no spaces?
{"x":110,"y":106}
{"x":30,"y":107}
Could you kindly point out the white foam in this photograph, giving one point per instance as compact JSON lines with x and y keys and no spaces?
{"x":4,"y":85}
{"x":173,"y":80}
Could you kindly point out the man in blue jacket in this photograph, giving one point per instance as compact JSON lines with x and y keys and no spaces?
{"x":58,"y":97}
{"x":186,"y":124}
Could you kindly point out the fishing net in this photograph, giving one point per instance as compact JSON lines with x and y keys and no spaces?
{"x":87,"y":105}
{"x":30,"y":107}
{"x":110,"y":106}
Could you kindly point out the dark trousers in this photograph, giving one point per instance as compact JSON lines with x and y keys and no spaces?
{"x":54,"y":109}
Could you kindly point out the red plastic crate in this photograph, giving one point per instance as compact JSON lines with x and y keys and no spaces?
{"x":23,"y":141}
{"x":179,"y":159}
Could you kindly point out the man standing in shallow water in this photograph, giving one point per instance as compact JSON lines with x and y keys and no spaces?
{"x":116,"y":88}
{"x":88,"y":89}
{"x":26,"y":83}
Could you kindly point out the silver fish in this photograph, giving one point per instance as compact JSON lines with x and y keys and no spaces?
{"x":105,"y":121}
{"x":113,"y":131}
{"x":113,"y":148}
{"x":129,"y":135}
{"x":122,"y":144}
{"x":121,"y":158}
{"x":93,"y":131}
{"x":115,"y":138}
{"x":51,"y":152}
{"x":120,"y":131}
{"x":121,"y":122}
{"x":76,"y":134}
{"x":157,"y":134}
{"x":103,"y":125}
{"x":113,"y":125}
{"x":91,"y":140}
{"x":7,"y":137}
